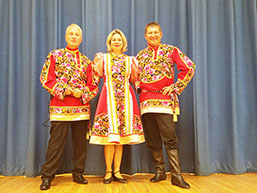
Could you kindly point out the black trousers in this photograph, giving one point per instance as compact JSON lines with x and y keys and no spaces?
{"x":159,"y":128}
{"x":56,"y":144}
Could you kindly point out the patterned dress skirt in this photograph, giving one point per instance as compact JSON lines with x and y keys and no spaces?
{"x":117,"y":118}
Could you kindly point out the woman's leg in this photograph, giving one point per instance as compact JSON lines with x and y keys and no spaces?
{"x":117,"y":160}
{"x":109,"y":151}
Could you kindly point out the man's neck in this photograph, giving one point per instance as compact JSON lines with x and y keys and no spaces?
{"x":72,"y":49}
{"x":155,"y":47}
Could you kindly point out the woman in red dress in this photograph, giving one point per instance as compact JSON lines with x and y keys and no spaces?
{"x":117,"y":119}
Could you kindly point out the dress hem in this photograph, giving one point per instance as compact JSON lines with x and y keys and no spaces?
{"x":114,"y":139}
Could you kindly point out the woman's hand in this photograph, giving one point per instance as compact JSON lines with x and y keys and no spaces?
{"x":98,"y":64}
{"x":98,"y":59}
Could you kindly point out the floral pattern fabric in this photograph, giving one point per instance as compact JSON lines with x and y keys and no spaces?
{"x":68,"y":68}
{"x":151,"y":69}
{"x":156,"y":71}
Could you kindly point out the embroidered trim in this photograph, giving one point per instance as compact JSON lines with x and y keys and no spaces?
{"x":69,"y":117}
{"x":113,"y":139}
{"x":110,"y":94}
{"x":111,"y":101}
{"x":128,"y":98}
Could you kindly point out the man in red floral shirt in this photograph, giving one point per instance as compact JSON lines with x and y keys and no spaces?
{"x":159,"y":99}
{"x":67,"y":76}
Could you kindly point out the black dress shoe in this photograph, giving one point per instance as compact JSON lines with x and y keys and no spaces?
{"x":179,"y":181}
{"x":159,"y":176}
{"x":121,"y":180}
{"x":46,"y":184}
{"x":79,"y":179}
{"x":108,"y":180}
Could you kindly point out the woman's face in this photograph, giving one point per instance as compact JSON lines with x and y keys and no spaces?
{"x":116,"y":43}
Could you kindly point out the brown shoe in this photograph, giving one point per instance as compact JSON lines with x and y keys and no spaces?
{"x":159,"y":164}
{"x":79,"y":179}
{"x":177,"y":178}
{"x":46,"y":184}
{"x":179,"y":181}
{"x":159,"y":176}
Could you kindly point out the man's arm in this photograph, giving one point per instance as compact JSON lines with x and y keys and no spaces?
{"x":186,"y":69}
{"x":48,"y":79}
{"x":91,"y":88}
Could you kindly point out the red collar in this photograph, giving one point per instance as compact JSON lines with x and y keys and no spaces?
{"x":155,"y":48}
{"x":73,"y":50}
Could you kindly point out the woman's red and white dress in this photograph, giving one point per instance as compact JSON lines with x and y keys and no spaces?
{"x":117,"y":118}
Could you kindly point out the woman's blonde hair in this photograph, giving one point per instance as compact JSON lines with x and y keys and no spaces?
{"x":123,"y":37}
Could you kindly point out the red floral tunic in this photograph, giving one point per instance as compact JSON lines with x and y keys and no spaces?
{"x":66,"y":67}
{"x":156,"y":71}
{"x":117,"y":118}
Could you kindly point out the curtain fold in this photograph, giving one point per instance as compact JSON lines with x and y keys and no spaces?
{"x":217,"y":126}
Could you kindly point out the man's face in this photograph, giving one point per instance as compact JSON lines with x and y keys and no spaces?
{"x":153,"y":35}
{"x":73,"y":37}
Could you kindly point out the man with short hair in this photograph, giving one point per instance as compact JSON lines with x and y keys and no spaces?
{"x":159,"y":99}
{"x":67,"y":76}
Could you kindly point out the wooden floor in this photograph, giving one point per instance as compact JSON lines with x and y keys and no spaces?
{"x":216,"y":183}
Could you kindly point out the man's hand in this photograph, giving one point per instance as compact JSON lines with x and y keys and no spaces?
{"x":168,"y":90}
{"x":68,"y":91}
{"x":77,"y":93}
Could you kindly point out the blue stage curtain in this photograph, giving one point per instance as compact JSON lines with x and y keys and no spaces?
{"x":217,"y":126}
